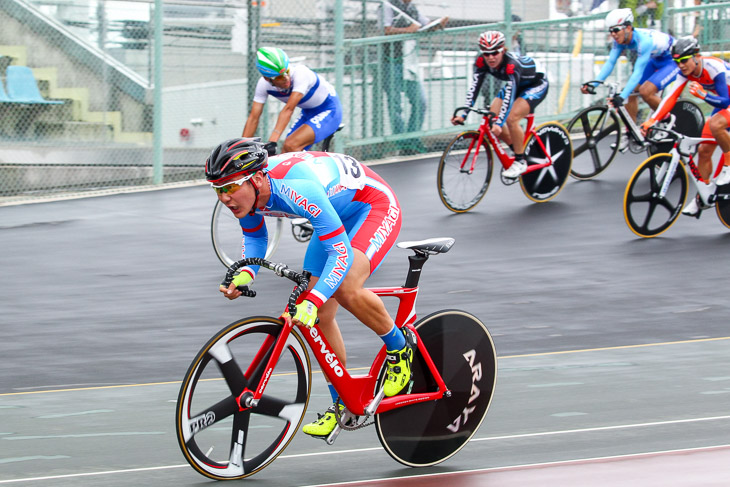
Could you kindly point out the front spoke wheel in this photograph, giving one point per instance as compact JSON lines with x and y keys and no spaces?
{"x":464,"y":173}
{"x":595,"y":135}
{"x":220,"y":439}
{"x":647,"y":211}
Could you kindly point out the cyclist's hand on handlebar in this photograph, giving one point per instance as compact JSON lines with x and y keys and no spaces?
{"x":696,"y":89}
{"x":306,"y":314}
{"x":458,"y":120}
{"x":646,"y":125}
{"x":617,"y":101}
{"x":587,"y":89}
{"x":496,"y":129}
{"x":242,"y":279}
{"x":271,"y":147}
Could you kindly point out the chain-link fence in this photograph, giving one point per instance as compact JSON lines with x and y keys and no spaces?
{"x":79,"y":101}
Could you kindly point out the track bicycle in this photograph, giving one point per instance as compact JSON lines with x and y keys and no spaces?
{"x":465,"y":168}
{"x":245,"y":394}
{"x":657,"y":190}
{"x":596,"y":132}
{"x":225,"y":231}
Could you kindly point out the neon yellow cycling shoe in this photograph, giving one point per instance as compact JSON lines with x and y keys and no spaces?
{"x":399,"y":366}
{"x":324,"y":424}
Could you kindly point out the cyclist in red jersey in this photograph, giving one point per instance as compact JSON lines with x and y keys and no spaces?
{"x":708,"y":79}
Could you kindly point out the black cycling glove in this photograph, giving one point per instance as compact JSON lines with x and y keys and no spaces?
{"x":617,"y":101}
{"x":271,"y":148}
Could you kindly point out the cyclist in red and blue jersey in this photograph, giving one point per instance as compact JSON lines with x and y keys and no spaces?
{"x":295,"y":86}
{"x":526,"y":87}
{"x":653,"y":69}
{"x":708,"y":79}
{"x":356,"y":219}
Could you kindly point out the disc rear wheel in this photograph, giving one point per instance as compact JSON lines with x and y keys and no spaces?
{"x":545,"y":184}
{"x":429,"y":432}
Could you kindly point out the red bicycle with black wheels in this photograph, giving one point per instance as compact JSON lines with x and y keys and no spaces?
{"x":246,"y":392}
{"x":465,"y":168}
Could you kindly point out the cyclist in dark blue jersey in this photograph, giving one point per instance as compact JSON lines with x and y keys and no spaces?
{"x":526,"y":87}
{"x":356,"y":219}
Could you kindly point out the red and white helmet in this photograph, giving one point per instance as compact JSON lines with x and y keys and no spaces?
{"x":491,"y":41}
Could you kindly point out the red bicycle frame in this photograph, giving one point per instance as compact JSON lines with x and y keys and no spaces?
{"x":356,"y":392}
{"x":504,"y":158}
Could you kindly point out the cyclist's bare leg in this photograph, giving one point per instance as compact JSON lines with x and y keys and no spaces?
{"x":365,"y":305}
{"x":718,"y":126}
{"x":632,"y":106}
{"x":704,"y":160}
{"x":512,"y":133}
{"x":504,"y":135}
{"x":520,"y":109}
{"x":299,"y":139}
{"x":328,"y":325}
{"x":648,"y":92}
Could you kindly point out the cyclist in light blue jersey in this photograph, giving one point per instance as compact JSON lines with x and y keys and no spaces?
{"x":356,"y":219}
{"x":295,"y":86}
{"x":654,"y":68}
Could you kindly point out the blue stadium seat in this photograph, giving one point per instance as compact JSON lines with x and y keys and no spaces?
{"x":23,"y":87}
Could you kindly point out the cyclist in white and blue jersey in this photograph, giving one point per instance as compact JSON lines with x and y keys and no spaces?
{"x":295,"y":86}
{"x":356,"y":219}
{"x":653,"y":70}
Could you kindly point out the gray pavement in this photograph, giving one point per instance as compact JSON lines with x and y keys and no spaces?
{"x":609,"y":345}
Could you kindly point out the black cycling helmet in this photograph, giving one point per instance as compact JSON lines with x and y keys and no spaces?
{"x":685,"y":46}
{"x":235,"y":159}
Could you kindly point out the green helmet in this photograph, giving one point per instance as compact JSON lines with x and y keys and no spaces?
{"x":272,"y":61}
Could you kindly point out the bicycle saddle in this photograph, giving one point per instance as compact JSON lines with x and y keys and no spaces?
{"x":438,"y":245}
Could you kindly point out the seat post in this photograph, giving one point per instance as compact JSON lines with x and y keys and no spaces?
{"x":415,"y":264}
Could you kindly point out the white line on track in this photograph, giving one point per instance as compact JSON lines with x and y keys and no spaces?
{"x":492,"y":438}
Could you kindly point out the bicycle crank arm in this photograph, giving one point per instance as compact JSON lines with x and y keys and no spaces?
{"x":373,"y":406}
{"x":347,"y":416}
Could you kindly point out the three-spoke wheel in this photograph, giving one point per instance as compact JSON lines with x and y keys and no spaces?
{"x":722,"y":205}
{"x":550,"y":142}
{"x":464,"y":173}
{"x":429,"y":432}
{"x":225,"y":232}
{"x":647,"y":213}
{"x":595,"y":134}
{"x":223,"y":439}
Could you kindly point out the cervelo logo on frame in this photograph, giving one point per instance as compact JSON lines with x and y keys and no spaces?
{"x":329,"y":357}
{"x":476,"y":376}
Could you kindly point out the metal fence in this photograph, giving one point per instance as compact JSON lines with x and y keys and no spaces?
{"x":91,"y":116}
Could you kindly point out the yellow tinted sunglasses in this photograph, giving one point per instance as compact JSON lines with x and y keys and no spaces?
{"x":231,"y":188}
{"x":682,"y":60}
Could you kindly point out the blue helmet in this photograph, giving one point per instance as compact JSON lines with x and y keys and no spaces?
{"x":272,"y":62}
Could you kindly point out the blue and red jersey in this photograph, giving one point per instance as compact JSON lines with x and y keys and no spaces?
{"x":348,"y":204}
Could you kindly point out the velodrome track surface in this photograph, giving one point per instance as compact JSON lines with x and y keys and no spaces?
{"x":614,"y":351}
